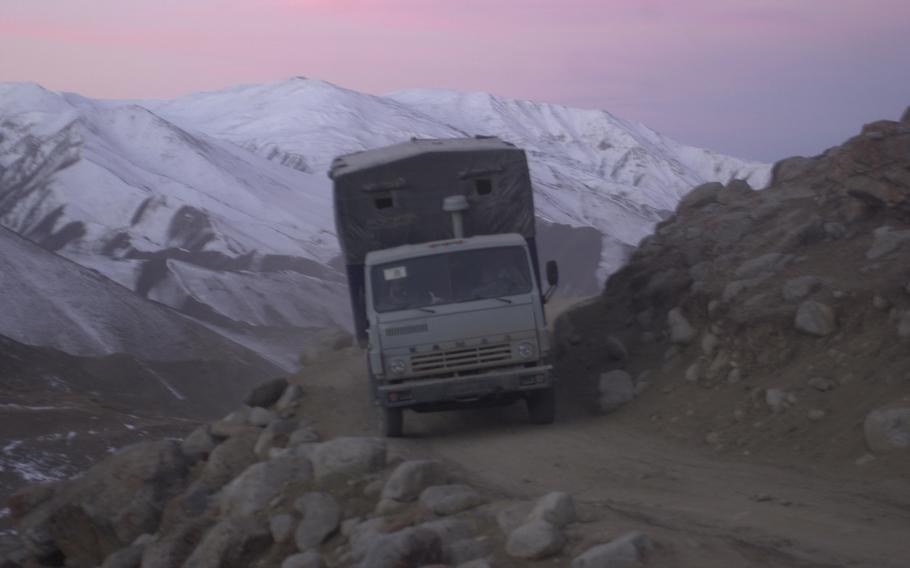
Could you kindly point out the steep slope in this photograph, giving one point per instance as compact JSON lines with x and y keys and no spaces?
{"x":772,"y":323}
{"x":179,"y":218}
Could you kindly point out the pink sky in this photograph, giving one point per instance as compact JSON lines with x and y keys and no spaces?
{"x":759,"y":79}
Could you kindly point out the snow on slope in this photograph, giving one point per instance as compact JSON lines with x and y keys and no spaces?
{"x":217,"y":203}
{"x":121,"y":190}
{"x":590,"y":169}
{"x":50,"y":301}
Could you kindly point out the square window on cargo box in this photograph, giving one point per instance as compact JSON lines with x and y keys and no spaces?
{"x":383,"y":201}
{"x":483,"y":186}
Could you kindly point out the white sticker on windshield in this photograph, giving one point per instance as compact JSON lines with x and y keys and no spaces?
{"x":395,"y":273}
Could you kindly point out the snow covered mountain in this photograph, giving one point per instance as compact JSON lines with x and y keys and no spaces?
{"x":217,"y":203}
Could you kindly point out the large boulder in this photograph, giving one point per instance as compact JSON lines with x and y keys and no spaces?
{"x":267,"y":394}
{"x":410,"y":478}
{"x":114,"y":502}
{"x":616,"y":388}
{"x":535,"y":540}
{"x":557,"y":508}
{"x":413,"y":546}
{"x":626,"y":551}
{"x":888,"y":429}
{"x":253,"y":489}
{"x":815,"y":318}
{"x":450,"y":499}
{"x":349,"y":457}
{"x":321,"y":516}
{"x":232,"y":543}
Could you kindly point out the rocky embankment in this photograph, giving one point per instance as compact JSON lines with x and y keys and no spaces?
{"x":259,"y":489}
{"x":773,"y":322}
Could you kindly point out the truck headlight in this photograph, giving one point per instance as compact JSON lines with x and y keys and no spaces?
{"x":398,"y":366}
{"x":525,"y":350}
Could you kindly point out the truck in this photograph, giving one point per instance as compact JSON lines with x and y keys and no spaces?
{"x":438,"y":242}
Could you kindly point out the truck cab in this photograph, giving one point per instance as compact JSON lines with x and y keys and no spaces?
{"x":457,"y":323}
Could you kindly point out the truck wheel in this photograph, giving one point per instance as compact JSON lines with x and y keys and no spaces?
{"x":391,"y":422}
{"x":542,"y":406}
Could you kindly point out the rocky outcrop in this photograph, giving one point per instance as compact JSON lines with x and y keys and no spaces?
{"x":742,"y":296}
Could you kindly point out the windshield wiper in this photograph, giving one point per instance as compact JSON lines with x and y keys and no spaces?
{"x":506,"y":300}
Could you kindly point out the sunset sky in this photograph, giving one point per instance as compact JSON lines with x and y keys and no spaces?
{"x":761,"y":79}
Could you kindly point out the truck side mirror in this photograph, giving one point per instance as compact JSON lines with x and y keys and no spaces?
{"x":552,"y":273}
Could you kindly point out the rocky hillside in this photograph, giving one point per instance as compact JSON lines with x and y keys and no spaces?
{"x":770,"y":323}
{"x":259,"y":489}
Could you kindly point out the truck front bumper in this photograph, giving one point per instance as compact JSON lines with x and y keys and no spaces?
{"x":464,"y":389}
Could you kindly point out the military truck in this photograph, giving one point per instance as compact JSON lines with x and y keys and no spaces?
{"x":438,"y":240}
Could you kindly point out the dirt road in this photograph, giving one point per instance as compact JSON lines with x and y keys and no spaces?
{"x":702,"y":509}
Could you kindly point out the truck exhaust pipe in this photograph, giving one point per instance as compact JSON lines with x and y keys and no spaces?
{"x":456,"y":205}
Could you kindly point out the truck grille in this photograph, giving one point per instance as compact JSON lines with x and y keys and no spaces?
{"x":460,"y":357}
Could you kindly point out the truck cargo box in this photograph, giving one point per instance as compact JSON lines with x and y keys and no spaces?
{"x":394,"y":195}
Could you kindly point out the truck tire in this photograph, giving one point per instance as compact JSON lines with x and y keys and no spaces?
{"x":542,"y":406}
{"x":391,"y":422}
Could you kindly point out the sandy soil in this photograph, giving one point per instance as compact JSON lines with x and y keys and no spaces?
{"x":702,"y":509}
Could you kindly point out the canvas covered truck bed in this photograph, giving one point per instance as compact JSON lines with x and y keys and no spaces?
{"x":394,"y":196}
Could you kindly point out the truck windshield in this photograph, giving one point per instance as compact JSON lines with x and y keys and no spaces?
{"x":448,"y":278}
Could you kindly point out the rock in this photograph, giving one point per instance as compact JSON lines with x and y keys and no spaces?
{"x":224,"y":429}
{"x":693,"y":372}
{"x":557,"y":508}
{"x":410,"y":478}
{"x":615,"y":348}
{"x":266,"y":394}
{"x":616,"y":388}
{"x":700,"y":196}
{"x":450,"y":499}
{"x":174,"y":547}
{"x":289,"y":397}
{"x":885,"y":241}
{"x":708,"y":344}
{"x":465,"y":550}
{"x":479,"y":563}
{"x":408,"y":547}
{"x":681,"y":332}
{"x":535,"y":540}
{"x":199,"y":444}
{"x":880,"y":303}
{"x":304,"y":435}
{"x":903,"y":325}
{"x":776,"y":399}
{"x":321,"y":517}
{"x":326,"y":340}
{"x":449,"y":531}
{"x":835,"y":230}
{"x":108,"y":507}
{"x":513,"y":515}
{"x":253,"y":489}
{"x":264,"y":445}
{"x":798,"y":288}
{"x":261,"y":417}
{"x":888,"y":429}
{"x":282,"y":527}
{"x":625,"y":551}
{"x":815,"y":414}
{"x":763,"y":266}
{"x":232,"y":543}
{"x":815,"y":318}
{"x":349,"y":457}
{"x":308,"y":559}
{"x":821,"y":384}
{"x":230,"y":458}
{"x":129,"y":557}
